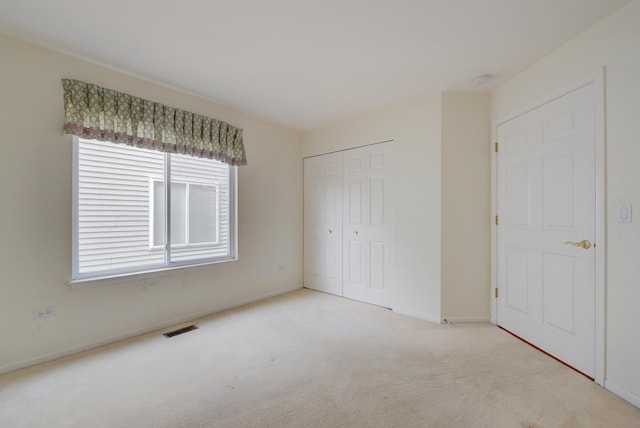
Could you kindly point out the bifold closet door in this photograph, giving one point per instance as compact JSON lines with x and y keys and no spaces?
{"x":323,"y":223}
{"x":367,"y":227}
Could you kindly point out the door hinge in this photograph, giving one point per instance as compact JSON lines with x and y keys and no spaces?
{"x":496,"y":292}
{"x":496,"y":220}
{"x":496,"y":147}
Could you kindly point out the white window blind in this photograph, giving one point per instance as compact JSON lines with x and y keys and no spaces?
{"x":120,"y":212}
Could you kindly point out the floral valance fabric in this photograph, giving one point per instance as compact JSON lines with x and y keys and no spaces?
{"x":98,"y":113}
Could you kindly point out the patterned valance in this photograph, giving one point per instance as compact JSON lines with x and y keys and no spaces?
{"x":98,"y":113}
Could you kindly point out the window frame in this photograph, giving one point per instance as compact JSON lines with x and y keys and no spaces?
{"x":188,"y":244}
{"x":168,"y":265}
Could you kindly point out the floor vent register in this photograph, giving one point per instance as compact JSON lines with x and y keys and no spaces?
{"x":180,"y":330}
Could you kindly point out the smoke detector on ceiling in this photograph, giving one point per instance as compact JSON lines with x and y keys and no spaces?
{"x":482,"y":79}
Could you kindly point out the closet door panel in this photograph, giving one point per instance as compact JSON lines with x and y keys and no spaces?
{"x":379,"y":224}
{"x":355,"y":243}
{"x":323,"y":223}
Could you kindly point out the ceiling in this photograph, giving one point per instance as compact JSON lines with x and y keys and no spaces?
{"x":306,"y":64}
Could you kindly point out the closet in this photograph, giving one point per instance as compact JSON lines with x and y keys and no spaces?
{"x":348,"y":238}
{"x":323,"y":223}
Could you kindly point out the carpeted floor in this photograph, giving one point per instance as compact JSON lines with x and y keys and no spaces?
{"x":309,"y":359}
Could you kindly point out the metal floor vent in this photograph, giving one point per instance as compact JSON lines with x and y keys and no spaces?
{"x":180,"y":330}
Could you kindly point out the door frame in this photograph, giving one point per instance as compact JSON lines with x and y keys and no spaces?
{"x":597,"y":79}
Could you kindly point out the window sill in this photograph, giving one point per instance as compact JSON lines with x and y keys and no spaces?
{"x":82,"y":283}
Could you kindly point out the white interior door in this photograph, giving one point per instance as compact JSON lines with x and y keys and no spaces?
{"x":355,"y":239}
{"x":368,"y":235}
{"x":546,"y":202}
{"x":380,"y":224}
{"x":323,"y":223}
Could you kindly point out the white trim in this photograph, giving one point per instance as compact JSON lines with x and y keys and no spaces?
{"x":600,"y":241}
{"x":152,"y":214}
{"x":233,"y":212}
{"x":622,"y":393}
{"x":420,"y":315}
{"x":92,"y":345}
{"x":465,"y":320}
{"x":151,"y":272}
{"x":597,"y":79}
{"x":75,"y":259}
{"x":167,"y":210}
{"x":493,"y":249}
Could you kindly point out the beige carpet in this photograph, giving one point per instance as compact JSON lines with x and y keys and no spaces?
{"x":309,"y":359}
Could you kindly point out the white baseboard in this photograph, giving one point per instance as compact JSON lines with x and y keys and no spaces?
{"x":622,"y":393}
{"x":87,"y":346}
{"x":420,"y":315}
{"x":462,"y":320}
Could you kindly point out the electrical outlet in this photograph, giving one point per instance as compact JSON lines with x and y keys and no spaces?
{"x":44,"y":313}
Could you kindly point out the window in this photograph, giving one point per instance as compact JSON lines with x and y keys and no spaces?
{"x":194,"y":214}
{"x":121,"y":221}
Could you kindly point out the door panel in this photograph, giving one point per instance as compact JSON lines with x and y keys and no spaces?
{"x":354,"y":267}
{"x":518,"y":195}
{"x":546,"y":197}
{"x":323,"y":223}
{"x":557,"y":192}
{"x":559,"y":292}
{"x":378,"y":264}
{"x":355,"y":241}
{"x":376,"y":202}
{"x":367,"y":226}
{"x":355,"y":201}
{"x":516,"y":288}
{"x":380,"y":224}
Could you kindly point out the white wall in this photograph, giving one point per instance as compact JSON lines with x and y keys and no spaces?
{"x":35,"y":218}
{"x":615,"y":44}
{"x":466,"y":210}
{"x":415,"y":128}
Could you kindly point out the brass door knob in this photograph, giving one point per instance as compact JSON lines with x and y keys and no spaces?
{"x":584,"y":244}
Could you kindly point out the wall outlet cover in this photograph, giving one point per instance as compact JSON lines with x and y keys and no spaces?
{"x":44,"y":313}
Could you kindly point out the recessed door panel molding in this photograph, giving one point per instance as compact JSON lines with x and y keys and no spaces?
{"x":518,"y":211}
{"x":356,"y":203}
{"x":377,"y":267}
{"x":545,"y":272}
{"x":559,"y":285}
{"x":315,"y":194}
{"x":330,"y":203}
{"x":376,"y":202}
{"x":558,"y":192}
{"x":333,"y":166}
{"x":328,"y":262}
{"x":355,"y":165}
{"x":314,"y":263}
{"x":377,"y":161}
{"x":353,"y":267}
{"x":558,"y":128}
{"x":517,"y":141}
{"x":517,"y":280}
